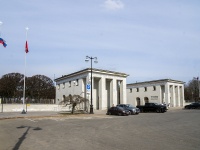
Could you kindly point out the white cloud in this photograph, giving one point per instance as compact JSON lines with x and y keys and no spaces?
{"x":113,"y":4}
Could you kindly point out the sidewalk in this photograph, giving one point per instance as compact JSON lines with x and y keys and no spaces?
{"x":40,"y":114}
{"x":14,"y":115}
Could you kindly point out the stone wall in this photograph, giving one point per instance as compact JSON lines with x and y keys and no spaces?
{"x":29,"y":107}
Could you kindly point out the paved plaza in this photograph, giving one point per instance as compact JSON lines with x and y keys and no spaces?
{"x":175,"y":130}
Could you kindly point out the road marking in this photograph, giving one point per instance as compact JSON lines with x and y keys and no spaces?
{"x":31,"y":120}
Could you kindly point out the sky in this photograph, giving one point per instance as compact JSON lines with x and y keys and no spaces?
{"x":146,"y":39}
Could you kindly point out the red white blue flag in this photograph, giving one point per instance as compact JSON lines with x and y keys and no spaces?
{"x":2,"y":41}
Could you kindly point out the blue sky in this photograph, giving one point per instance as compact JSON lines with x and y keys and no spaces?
{"x":147,"y":39}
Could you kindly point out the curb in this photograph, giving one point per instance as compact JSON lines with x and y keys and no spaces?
{"x":67,"y":115}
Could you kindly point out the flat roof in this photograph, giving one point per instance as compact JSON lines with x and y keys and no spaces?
{"x":94,"y":70}
{"x":156,"y":81}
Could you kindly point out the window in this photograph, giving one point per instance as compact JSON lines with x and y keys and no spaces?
{"x":76,"y":82}
{"x":130,"y":90}
{"x":69,"y":83}
{"x":137,"y":90}
{"x":145,"y":89}
{"x":154,"y":88}
{"x":58,"y":86}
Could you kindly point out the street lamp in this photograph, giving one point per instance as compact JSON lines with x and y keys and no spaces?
{"x":197,"y":78}
{"x":95,"y":61}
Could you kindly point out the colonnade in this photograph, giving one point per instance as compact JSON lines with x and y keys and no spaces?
{"x":173,"y":95}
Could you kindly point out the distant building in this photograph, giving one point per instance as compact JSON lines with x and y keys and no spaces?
{"x":160,"y":91}
{"x":109,"y":87}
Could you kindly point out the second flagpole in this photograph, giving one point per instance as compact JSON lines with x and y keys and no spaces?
{"x":26,"y":51}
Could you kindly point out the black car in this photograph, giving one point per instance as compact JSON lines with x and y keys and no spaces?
{"x":133,"y":110}
{"x":152,"y":107}
{"x":193,"y":106}
{"x":117,"y":111}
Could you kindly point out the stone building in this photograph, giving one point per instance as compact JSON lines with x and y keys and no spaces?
{"x":160,"y":91}
{"x":108,"y":87}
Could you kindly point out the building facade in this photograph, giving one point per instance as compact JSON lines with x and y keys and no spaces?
{"x":159,"y":91}
{"x":108,"y":87}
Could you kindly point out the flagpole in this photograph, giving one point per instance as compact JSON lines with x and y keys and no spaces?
{"x":23,"y":111}
{"x":0,"y":27}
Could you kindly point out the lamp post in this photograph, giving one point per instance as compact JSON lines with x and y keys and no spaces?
{"x":197,"y":78}
{"x":95,"y":61}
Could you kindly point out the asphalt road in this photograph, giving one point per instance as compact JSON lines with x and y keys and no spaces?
{"x":174,"y":130}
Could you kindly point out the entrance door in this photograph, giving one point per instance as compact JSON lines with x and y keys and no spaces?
{"x":146,"y":100}
{"x":138,"y":101}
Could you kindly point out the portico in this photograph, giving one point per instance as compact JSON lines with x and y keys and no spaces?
{"x":109,"y":87}
{"x":159,"y":91}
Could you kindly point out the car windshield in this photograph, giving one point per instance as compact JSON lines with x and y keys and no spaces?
{"x":129,"y":105}
{"x":194,"y":104}
{"x":120,"y":108}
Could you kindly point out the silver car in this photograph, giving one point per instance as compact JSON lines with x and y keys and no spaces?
{"x":133,"y":110}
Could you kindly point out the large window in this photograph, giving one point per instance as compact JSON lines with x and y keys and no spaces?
{"x":145,"y":89}
{"x":76,"y":82}
{"x":154,"y":88}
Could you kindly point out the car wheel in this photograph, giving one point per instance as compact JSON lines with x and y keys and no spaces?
{"x":109,"y":113}
{"x":119,"y":114}
{"x":130,"y":113}
{"x":158,"y":110}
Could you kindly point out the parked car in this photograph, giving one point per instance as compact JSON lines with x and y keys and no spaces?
{"x":117,"y":111}
{"x":195,"y":105}
{"x":167,"y":105}
{"x":133,"y":110}
{"x":149,"y":107}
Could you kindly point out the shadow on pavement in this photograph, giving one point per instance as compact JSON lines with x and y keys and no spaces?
{"x":23,"y":137}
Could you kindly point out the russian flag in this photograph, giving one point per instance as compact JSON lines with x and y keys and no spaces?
{"x":3,"y":42}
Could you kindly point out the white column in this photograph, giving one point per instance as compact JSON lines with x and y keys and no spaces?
{"x":102,"y":95}
{"x":174,"y":96}
{"x":183,"y":98}
{"x":111,"y":93}
{"x":167,"y":94}
{"x":178,"y":96}
{"x":114,"y":91}
{"x":123,"y":92}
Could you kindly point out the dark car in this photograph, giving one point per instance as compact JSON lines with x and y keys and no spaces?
{"x":193,"y":106}
{"x":133,"y":110}
{"x":152,"y":107}
{"x":117,"y":111}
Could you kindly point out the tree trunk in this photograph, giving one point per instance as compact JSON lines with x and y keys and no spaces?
{"x":73,"y":107}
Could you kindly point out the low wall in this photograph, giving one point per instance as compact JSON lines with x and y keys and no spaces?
{"x":29,"y":107}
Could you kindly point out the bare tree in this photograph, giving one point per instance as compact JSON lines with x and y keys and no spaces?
{"x":11,"y":85}
{"x":192,"y":90}
{"x":73,"y":101}
{"x":37,"y":87}
{"x":40,"y":87}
